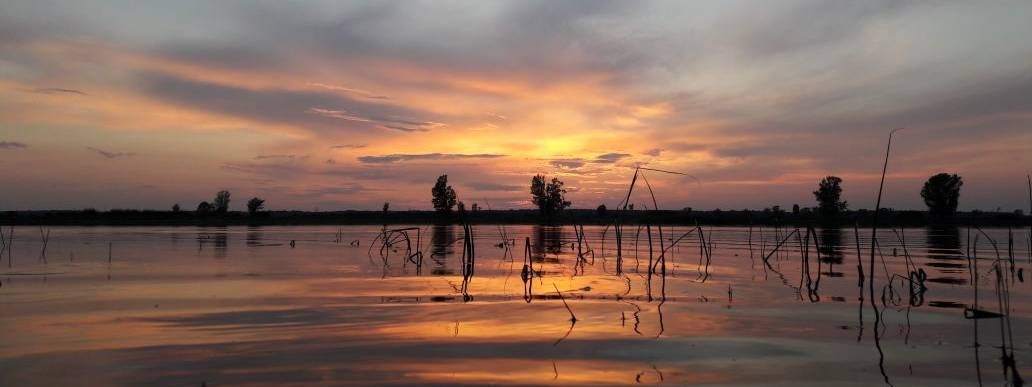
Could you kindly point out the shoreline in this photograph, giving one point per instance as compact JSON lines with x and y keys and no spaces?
{"x":887,"y":218}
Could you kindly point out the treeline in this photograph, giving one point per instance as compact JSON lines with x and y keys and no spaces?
{"x":941,"y":193}
{"x":768,"y":217}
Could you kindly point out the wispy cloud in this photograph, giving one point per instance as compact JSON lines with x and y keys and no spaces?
{"x":393,"y":158}
{"x":575,"y":163}
{"x":266,"y":157}
{"x":111,"y":155}
{"x":487,"y":186}
{"x":387,"y":123}
{"x":567,"y":163}
{"x":301,"y":109}
{"x":343,"y":189}
{"x":363,"y":93}
{"x":12,"y":145}
{"x":278,"y":170}
{"x":609,"y":158}
{"x":348,"y":146}
{"x":406,"y":128}
{"x":58,"y":90}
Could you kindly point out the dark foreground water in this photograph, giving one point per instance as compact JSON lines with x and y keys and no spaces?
{"x":241,"y":306}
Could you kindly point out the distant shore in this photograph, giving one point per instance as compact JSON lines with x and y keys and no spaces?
{"x":887,"y":218}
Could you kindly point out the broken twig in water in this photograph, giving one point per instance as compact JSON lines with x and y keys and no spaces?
{"x":573,"y":317}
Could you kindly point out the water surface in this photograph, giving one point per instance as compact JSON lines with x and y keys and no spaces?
{"x":243,"y":306}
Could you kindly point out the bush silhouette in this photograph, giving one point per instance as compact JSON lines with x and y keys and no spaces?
{"x":254,"y":205}
{"x":204,"y":208}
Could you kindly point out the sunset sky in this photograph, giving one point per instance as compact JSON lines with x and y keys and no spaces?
{"x":335,"y":105}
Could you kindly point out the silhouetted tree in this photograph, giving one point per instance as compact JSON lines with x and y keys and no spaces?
{"x":221,"y":202}
{"x":386,"y":206}
{"x":795,"y":209}
{"x":549,"y":197}
{"x":254,"y":205}
{"x":941,"y":193}
{"x":475,"y":207}
{"x":462,"y":207}
{"x":828,"y":193}
{"x":175,"y":207}
{"x":204,"y":208}
{"x":444,"y":196}
{"x":601,"y":210}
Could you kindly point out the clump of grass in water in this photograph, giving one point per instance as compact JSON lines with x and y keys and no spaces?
{"x":390,"y":238}
{"x":1002,"y":290}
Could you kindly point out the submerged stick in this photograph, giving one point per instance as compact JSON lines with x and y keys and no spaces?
{"x":527,"y":274}
{"x":619,"y":248}
{"x":765,"y":258}
{"x":573,"y":317}
{"x":3,"y":243}
{"x":45,"y":237}
{"x":10,"y":243}
{"x":859,"y":261}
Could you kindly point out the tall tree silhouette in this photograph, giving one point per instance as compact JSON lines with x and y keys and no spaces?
{"x":549,"y":197}
{"x":444,"y":196}
{"x":254,"y":205}
{"x":828,"y":193}
{"x":941,"y":193}
{"x":221,"y":202}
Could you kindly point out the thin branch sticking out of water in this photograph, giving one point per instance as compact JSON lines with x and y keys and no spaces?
{"x":573,"y":317}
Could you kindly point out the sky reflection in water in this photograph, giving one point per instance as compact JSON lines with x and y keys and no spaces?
{"x":185,"y":306}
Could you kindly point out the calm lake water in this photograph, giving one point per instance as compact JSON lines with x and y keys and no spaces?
{"x":241,"y":306}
